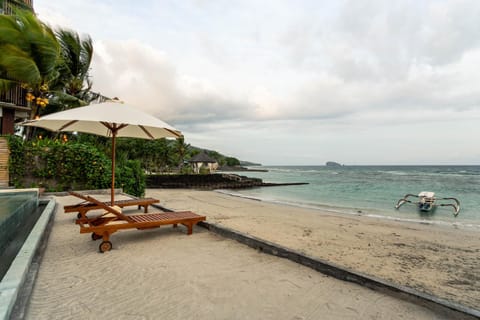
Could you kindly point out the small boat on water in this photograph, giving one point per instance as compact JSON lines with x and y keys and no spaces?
{"x":426,"y":201}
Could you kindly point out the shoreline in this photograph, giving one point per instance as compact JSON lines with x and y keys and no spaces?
{"x":461,"y":224}
{"x":432,"y":258}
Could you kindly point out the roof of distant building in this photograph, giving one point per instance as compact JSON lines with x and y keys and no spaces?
{"x":202,"y":157}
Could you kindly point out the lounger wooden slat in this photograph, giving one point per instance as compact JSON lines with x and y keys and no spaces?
{"x":103,"y":226}
{"x":83,"y":207}
{"x":186,"y":218}
{"x":161,"y":216}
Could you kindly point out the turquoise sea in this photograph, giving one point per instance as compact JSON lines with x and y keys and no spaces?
{"x":374,"y":190}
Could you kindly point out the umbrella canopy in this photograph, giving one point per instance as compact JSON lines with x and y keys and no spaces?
{"x":108,"y":119}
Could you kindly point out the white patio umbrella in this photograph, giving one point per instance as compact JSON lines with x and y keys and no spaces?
{"x":108,"y":119}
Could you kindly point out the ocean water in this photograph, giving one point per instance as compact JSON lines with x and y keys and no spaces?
{"x":374,"y":190}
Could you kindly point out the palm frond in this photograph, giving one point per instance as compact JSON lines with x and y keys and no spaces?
{"x":35,"y":43}
{"x":86,"y":55}
{"x":18,"y":66}
{"x":10,"y":31}
{"x":44,"y":47}
{"x":76,"y":56}
{"x":69,"y":43}
{"x":64,"y":99}
{"x":76,"y":52}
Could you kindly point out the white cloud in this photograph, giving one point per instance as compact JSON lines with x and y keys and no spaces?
{"x":135,"y":72}
{"x":354,"y":79}
{"x":141,"y":75}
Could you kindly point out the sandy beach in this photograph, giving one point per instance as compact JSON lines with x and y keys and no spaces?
{"x":440,"y":260}
{"x":165,"y":274}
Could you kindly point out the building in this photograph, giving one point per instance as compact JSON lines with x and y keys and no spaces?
{"x":13,"y":103}
{"x":203,"y":160}
{"x":7,"y":6}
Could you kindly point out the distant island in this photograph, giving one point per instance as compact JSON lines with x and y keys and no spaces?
{"x":333,"y":164}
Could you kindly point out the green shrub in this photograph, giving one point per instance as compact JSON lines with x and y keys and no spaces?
{"x":16,"y":161}
{"x":231,"y":162}
{"x":186,"y":170}
{"x":130,"y":176}
{"x":58,"y":166}
{"x":204,"y":170}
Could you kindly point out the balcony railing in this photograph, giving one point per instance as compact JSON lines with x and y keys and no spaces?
{"x":16,"y":95}
{"x":7,"y":6}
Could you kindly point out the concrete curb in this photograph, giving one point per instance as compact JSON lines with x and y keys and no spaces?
{"x":18,"y":273}
{"x":345,"y":274}
{"x":98,"y":191}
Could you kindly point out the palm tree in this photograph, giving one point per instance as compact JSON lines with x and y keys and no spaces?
{"x":53,"y":67}
{"x":72,"y":87}
{"x":181,"y":149}
{"x":29,"y":56}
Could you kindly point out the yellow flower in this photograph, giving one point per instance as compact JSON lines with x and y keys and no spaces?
{"x":30,"y":97}
{"x":42,"y":102}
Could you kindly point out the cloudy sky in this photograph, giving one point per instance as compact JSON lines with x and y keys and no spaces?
{"x":294,"y":82}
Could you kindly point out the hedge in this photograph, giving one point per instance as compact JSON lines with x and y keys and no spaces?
{"x":60,"y":166}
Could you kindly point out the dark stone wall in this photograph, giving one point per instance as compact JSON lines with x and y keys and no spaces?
{"x":202,"y":181}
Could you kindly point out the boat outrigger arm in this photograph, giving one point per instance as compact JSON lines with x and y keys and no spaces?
{"x":427,"y":201}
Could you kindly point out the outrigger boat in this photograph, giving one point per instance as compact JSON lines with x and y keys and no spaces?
{"x":427,"y":202}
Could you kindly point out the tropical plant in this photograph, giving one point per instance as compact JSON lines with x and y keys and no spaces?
{"x":30,"y":53}
{"x":130,"y":177}
{"x":231,"y":161}
{"x":181,"y":149}
{"x":52,"y":66}
{"x":155,"y":155}
{"x":72,"y":86}
{"x":57,"y":165}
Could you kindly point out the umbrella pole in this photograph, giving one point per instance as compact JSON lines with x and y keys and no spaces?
{"x":112,"y":192}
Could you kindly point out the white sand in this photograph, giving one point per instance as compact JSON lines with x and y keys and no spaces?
{"x":165,"y":274}
{"x":439,"y":260}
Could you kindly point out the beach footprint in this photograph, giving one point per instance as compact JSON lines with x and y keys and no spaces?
{"x":307,"y":232}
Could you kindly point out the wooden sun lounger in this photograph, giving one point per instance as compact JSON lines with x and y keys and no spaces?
{"x":83,"y":207}
{"x":103,"y":226}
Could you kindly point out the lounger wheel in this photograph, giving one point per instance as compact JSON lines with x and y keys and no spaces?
{"x":105,"y":246}
{"x":96,"y":236}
